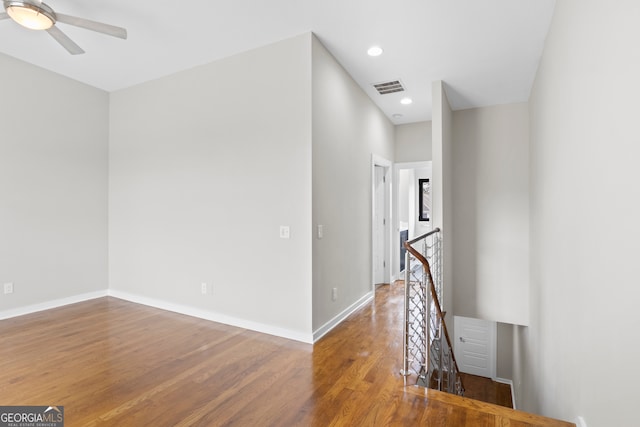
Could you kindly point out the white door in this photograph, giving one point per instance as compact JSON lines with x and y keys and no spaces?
{"x":379,"y":226}
{"x":475,"y":346}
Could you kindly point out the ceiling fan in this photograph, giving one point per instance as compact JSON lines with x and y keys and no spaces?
{"x":35,"y":15}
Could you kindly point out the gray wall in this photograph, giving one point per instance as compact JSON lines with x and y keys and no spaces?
{"x":579,"y":356}
{"x":205,"y":166}
{"x":347,"y":130}
{"x":504,"y":351}
{"x":53,"y":186}
{"x":413,"y":142}
{"x":491,"y":213}
{"x":200,"y":171}
{"x":442,"y":185}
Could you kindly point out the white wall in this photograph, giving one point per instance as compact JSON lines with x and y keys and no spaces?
{"x":347,"y":130}
{"x":580,"y":355}
{"x":205,"y":166}
{"x":53,"y":186}
{"x":406,"y":200}
{"x":491,"y":213}
{"x":413,"y":142}
{"x":442,"y":185}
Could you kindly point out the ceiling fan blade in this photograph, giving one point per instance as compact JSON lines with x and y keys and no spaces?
{"x":110,"y":30}
{"x":65,"y":41}
{"x":3,"y":15}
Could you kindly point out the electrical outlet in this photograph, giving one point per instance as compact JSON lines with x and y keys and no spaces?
{"x":320,"y":231}
{"x":334,"y":294}
{"x":285,"y":232}
{"x":203,"y":288}
{"x":8,"y":288}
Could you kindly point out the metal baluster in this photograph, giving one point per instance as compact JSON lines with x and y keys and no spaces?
{"x":438,"y":331}
{"x":407,"y":291}
{"x":450,"y":373}
{"x":426,"y":351}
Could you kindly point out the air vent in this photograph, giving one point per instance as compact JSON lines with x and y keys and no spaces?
{"x":389,"y":87}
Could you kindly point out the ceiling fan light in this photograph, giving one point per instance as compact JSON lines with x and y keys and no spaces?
{"x":30,"y":16}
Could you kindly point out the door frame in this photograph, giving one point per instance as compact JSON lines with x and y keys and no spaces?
{"x":387,"y":165}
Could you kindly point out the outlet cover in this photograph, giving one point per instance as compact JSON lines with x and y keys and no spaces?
{"x":8,"y":288}
{"x":203,"y":288}
{"x":285,"y":232}
{"x":334,"y":294}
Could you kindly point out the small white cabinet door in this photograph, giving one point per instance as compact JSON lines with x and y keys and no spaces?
{"x":475,"y":346}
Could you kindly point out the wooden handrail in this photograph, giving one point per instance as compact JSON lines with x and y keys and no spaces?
{"x":432,"y":288}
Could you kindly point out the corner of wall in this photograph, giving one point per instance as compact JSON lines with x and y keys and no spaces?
{"x":348,"y":128}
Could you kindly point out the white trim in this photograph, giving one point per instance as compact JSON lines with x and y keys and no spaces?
{"x":388,"y":165}
{"x":380,"y":161}
{"x":213,"y":316}
{"x":48,"y":305}
{"x":580,"y":422}
{"x":510,"y":383}
{"x":324,"y":329}
{"x":413,"y":165}
{"x":494,"y":349}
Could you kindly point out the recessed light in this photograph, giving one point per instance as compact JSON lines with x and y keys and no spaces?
{"x":375,"y":51}
{"x":397,"y":116}
{"x":406,"y":101}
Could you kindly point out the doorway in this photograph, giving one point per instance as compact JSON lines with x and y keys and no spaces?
{"x":380,"y":220}
{"x":407,"y":224}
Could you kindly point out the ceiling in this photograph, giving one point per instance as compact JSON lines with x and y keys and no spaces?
{"x":486,"y":51}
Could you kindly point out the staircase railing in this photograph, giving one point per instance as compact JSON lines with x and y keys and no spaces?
{"x":428,"y":353}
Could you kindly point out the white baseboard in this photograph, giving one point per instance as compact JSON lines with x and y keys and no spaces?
{"x":510,"y":383}
{"x":213,"y":316}
{"x":580,"y":422}
{"x":324,"y":329}
{"x":34,"y":308}
{"x":195,"y":312}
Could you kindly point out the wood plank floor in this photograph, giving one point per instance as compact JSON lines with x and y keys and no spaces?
{"x":114,"y":363}
{"x":487,"y":390}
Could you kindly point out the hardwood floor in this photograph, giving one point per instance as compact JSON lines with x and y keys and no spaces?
{"x":486,"y":390}
{"x":114,"y":363}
